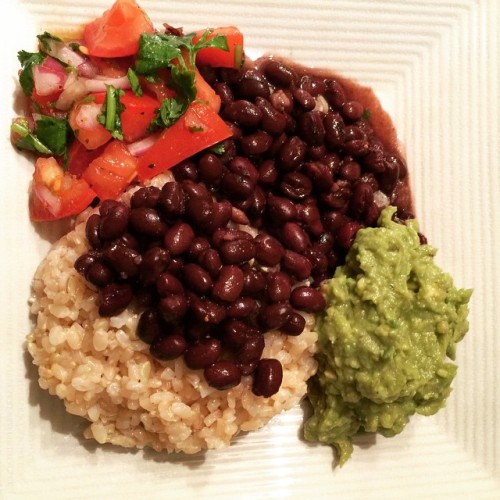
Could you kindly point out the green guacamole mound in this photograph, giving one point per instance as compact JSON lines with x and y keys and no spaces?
{"x":392,"y":319}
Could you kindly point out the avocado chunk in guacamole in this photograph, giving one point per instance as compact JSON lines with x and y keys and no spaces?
{"x":393,"y":317}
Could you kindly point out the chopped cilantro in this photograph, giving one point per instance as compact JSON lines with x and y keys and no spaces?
{"x":168,"y":113}
{"x":112,"y":109}
{"x":45,"y":38}
{"x":218,"y":149}
{"x":158,"y":51}
{"x":74,"y":46}
{"x":194,"y":128}
{"x":50,"y":137}
{"x":134,"y":82}
{"x":28,"y":60}
{"x":367,"y":114}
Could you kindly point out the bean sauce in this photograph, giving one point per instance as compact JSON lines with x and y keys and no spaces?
{"x":311,"y":157}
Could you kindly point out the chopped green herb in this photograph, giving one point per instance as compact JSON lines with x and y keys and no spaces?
{"x":194,"y":129}
{"x":367,"y":114}
{"x":112,"y":109}
{"x":28,"y":61}
{"x":218,"y":149}
{"x":50,"y":137}
{"x":134,"y":82}
{"x":168,"y":113}
{"x":45,"y":38}
{"x":74,"y":46}
{"x":159,"y":51}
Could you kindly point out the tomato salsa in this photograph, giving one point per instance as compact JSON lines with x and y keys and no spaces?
{"x":117,"y":106}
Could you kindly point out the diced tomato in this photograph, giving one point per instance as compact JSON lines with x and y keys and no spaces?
{"x":83,"y":120}
{"x":110,"y":173}
{"x":222,"y":58}
{"x":200,"y":127}
{"x":205,"y":93}
{"x":55,"y":194}
{"x":137,"y":115}
{"x":116,"y":33}
{"x":79,"y":157}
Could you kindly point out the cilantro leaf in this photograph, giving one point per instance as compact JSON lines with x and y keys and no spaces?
{"x":45,"y":38}
{"x":169,"y":112}
{"x":367,"y":114}
{"x":178,"y":54}
{"x":111,"y":112}
{"x":50,"y":137}
{"x":218,"y":149}
{"x":28,"y":61}
{"x":134,"y":82}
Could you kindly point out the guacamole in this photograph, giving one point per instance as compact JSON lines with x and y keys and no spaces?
{"x":392,"y":319}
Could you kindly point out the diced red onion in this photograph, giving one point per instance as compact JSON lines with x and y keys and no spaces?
{"x":49,"y":77}
{"x":69,"y":56}
{"x":74,"y":90}
{"x":138,"y":148}
{"x":87,"y":69}
{"x":381,"y":199}
{"x":99,"y":85}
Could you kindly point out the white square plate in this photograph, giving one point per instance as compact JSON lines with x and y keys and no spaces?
{"x":435,"y":66}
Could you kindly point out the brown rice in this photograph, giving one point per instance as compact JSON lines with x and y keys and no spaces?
{"x":104,"y":373}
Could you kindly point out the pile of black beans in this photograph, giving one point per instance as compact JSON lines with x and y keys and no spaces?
{"x":238,"y":244}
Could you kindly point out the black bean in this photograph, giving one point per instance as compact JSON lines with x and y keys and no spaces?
{"x":168,"y":284}
{"x":251,"y":88}
{"x":196,"y":278}
{"x":83,"y":262}
{"x":251,"y":350}
{"x":154,"y":262}
{"x":268,"y":250}
{"x":243,"y":112}
{"x":335,"y":94}
{"x":186,"y":170}
{"x":313,"y":84}
{"x":236,"y":186}
{"x":178,"y":238}
{"x":145,"y":197}
{"x":255,"y":282}
{"x":279,"y":286}
{"x":235,"y":333}
{"x":168,"y":347}
{"x":224,"y":91}
{"x":202,"y":354}
{"x":210,"y":168}
{"x":124,"y":260}
{"x":171,"y":201}
{"x":334,"y":130}
{"x":274,"y":316}
{"x":98,"y":274}
{"x":311,"y":127}
{"x":295,"y":324}
{"x":281,"y":209}
{"x":222,"y":374}
{"x":304,"y":99}
{"x":267,"y":378}
{"x":197,"y":247}
{"x":207,"y":311}
{"x":294,"y":237}
{"x":350,"y":171}
{"x":352,"y":110}
{"x":229,"y":284}
{"x":347,"y":233}
{"x":114,"y":223}
{"x":273,"y":121}
{"x":292,"y":154}
{"x":256,"y":143}
{"x":282,"y":100}
{"x":200,"y":210}
{"x":296,"y":186}
{"x":173,"y":307}
{"x":92,"y":231}
{"x":114,"y":298}
{"x":242,"y":307}
{"x":237,"y":251}
{"x":362,"y":199}
{"x":211,"y":261}
{"x":193,"y":189}
{"x":268,"y":173}
{"x":149,"y":326}
{"x":279,"y":74}
{"x":146,"y":221}
{"x":297,"y":265}
{"x":222,"y":235}
{"x":307,"y":299}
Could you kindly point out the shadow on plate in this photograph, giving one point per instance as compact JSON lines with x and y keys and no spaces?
{"x":52,"y":409}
